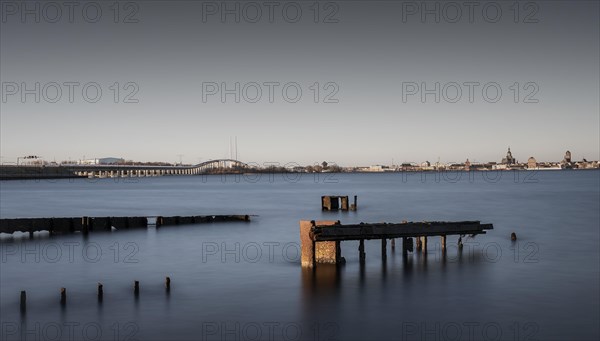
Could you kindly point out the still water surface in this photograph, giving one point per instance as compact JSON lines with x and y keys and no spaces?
{"x":243,"y":281}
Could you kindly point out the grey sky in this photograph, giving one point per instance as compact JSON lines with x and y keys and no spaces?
{"x":366,"y":55}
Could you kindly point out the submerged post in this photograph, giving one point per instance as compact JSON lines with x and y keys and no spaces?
{"x":63,"y":296}
{"x":443,"y":240}
{"x":361,"y":251}
{"x":424,"y":245}
{"x":345,"y":205}
{"x":384,"y":249}
{"x":168,"y":283}
{"x":85,"y":224}
{"x":136,"y":287}
{"x":23,"y":301}
{"x":100,"y":292}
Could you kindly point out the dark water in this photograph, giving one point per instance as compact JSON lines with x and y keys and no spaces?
{"x":243,"y":281}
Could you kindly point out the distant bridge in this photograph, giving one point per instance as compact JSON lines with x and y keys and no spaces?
{"x":121,"y":171}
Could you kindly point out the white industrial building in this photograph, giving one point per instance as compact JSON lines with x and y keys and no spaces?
{"x":101,"y":161}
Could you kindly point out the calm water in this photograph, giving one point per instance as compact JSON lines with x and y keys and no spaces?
{"x":243,"y":281}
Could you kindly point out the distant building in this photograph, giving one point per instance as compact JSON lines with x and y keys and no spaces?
{"x":101,"y":161}
{"x":377,"y":168}
{"x":531,"y":163}
{"x":467,"y":165}
{"x":509,"y":159}
{"x":567,"y":158}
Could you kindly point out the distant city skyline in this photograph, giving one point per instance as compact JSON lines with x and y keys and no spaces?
{"x":233,"y":152}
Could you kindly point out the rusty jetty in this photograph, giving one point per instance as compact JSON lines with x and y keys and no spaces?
{"x":321,"y":240}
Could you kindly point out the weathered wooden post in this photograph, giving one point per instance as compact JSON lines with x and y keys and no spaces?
{"x":100,"y":292}
{"x":344,"y":203}
{"x":168,"y":283}
{"x":384,"y":249}
{"x":325,"y":203}
{"x":136,"y":288}
{"x":361,"y":251}
{"x":424,"y":244}
{"x":443,"y":240}
{"x":419,"y":243}
{"x":393,"y":244}
{"x":85,"y":225}
{"x":355,"y":204}
{"x":335,"y":203}
{"x":63,"y":296}
{"x":513,"y":236}
{"x":23,"y":301}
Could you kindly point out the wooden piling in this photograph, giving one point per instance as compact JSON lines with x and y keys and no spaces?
{"x":63,"y":296}
{"x":419,"y":243}
{"x":344,"y":202}
{"x":361,"y":251}
{"x":100,"y":292}
{"x":513,"y":236}
{"x":168,"y":283}
{"x":443,"y":241}
{"x":405,"y":241}
{"x":325,"y":203}
{"x":393,"y":244}
{"x":424,"y":244}
{"x":85,"y":224}
{"x":23,"y":300}
{"x":136,"y":287}
{"x":384,"y":249}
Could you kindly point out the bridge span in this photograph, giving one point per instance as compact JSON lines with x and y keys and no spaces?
{"x":115,"y":171}
{"x":121,"y":170}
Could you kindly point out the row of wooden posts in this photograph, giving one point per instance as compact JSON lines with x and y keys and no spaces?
{"x":100,"y":292}
{"x":407,"y":245}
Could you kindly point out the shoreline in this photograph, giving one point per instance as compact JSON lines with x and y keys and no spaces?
{"x":57,"y":176}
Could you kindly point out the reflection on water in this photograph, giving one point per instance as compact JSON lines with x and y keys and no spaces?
{"x":542,"y":286}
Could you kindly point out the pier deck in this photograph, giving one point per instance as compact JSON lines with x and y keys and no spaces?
{"x":321,"y":239}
